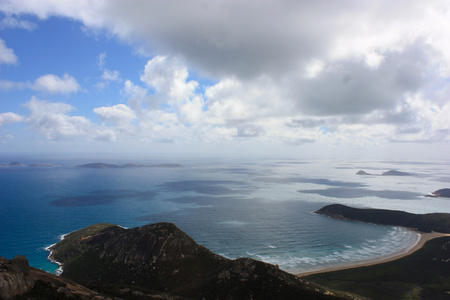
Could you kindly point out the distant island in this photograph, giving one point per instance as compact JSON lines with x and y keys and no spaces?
{"x":442,"y":193}
{"x":113,"y":166}
{"x":19,"y":164}
{"x":361,"y":172}
{"x":387,"y":173}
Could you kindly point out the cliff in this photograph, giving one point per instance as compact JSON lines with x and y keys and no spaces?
{"x":439,"y":222}
{"x":15,"y":278}
{"x":162,"y":259}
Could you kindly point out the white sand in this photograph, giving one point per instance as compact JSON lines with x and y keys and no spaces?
{"x":423,"y":238}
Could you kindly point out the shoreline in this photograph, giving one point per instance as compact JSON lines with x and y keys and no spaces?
{"x":423,"y":238}
{"x":58,"y":271}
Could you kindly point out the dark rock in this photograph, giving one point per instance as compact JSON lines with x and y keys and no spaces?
{"x":15,"y":278}
{"x":15,"y":164}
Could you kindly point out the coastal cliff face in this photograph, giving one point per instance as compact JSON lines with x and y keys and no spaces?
{"x":161,"y":258}
{"x":15,"y":278}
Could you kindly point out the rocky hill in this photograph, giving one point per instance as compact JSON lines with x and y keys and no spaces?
{"x":160,"y":258}
{"x":439,"y":222}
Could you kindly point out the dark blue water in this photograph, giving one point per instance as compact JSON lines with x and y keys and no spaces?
{"x":260,"y":209}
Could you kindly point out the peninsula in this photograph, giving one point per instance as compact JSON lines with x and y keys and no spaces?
{"x":438,"y":222}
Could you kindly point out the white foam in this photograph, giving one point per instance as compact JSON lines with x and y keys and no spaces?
{"x":233,"y":223}
{"x":347,"y":254}
{"x":49,"y":257}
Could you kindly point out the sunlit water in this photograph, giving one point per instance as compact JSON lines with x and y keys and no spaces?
{"x":260,"y":209}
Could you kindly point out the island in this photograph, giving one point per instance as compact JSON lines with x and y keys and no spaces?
{"x":395,"y":173}
{"x":19,"y":164}
{"x":387,"y":173}
{"x":113,"y":166}
{"x":361,"y":172}
{"x":442,"y":193}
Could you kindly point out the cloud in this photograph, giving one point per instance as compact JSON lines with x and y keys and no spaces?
{"x":7,"y":55}
{"x":168,"y":75}
{"x":53,"y":121}
{"x":282,"y":71}
{"x":9,"y":117}
{"x":107,"y":75}
{"x":12,"y":23}
{"x":55,"y":85}
{"x":111,"y":75}
{"x":6,"y":85}
{"x":120,"y":116}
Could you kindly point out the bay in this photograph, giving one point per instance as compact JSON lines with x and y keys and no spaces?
{"x":237,"y":208}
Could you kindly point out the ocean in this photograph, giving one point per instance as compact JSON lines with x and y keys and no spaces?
{"x":261,"y":208}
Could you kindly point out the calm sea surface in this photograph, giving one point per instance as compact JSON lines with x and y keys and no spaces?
{"x":261,"y":209}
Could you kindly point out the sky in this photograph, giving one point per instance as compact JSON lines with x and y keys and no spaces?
{"x":302,"y":78}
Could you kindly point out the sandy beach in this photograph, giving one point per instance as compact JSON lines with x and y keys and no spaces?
{"x":423,"y":238}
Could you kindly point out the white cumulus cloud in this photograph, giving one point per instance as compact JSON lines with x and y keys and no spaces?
{"x":52,"y":120}
{"x":7,"y":55}
{"x":9,"y":117}
{"x":54,"y":84}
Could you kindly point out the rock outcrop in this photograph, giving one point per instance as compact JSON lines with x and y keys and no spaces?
{"x":15,"y":278}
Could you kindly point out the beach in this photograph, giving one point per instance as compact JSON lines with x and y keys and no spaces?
{"x":423,"y":238}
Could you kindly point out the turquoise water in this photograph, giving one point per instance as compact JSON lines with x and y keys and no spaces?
{"x":261,"y":209}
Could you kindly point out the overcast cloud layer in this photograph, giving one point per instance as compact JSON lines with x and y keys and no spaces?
{"x":286,"y":72}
